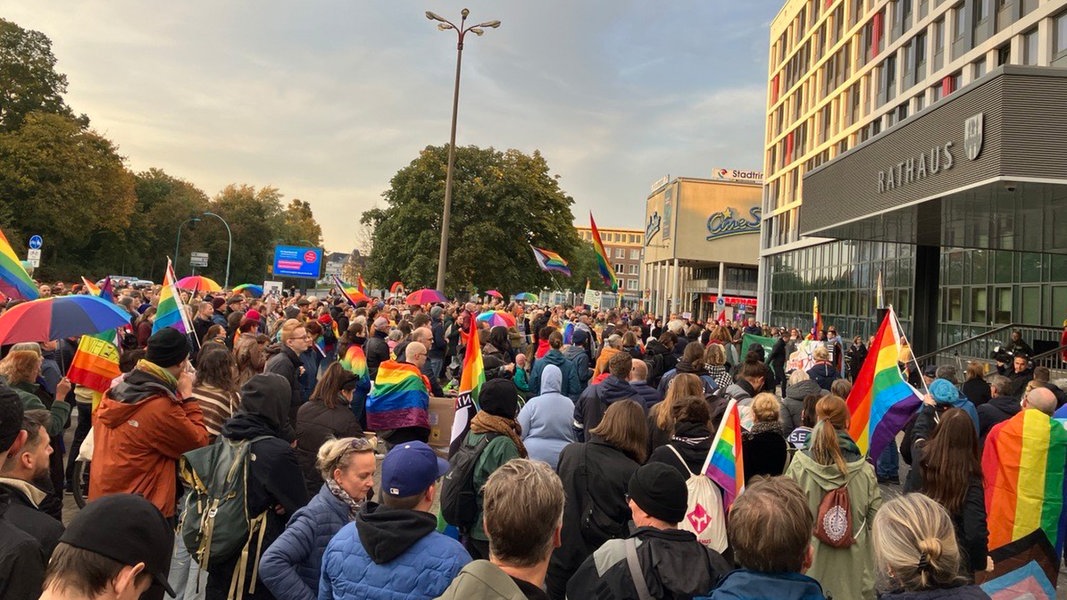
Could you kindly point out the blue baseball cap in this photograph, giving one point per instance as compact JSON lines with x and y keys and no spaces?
{"x":410,"y":468}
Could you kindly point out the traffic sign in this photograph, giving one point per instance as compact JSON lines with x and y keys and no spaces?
{"x":720,"y":302}
{"x":33,"y":254}
{"x":198,"y":259}
{"x":36,"y":242}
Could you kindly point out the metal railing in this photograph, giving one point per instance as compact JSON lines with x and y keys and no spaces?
{"x":982,"y":346}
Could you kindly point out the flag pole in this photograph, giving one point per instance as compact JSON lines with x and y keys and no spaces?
{"x":900,"y":332}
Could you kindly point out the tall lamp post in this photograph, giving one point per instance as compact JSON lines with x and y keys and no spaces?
{"x":229,"y":247}
{"x":444,"y":25}
{"x":178,"y":242}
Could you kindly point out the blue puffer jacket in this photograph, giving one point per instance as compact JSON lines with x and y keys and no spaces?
{"x":743,"y":584}
{"x":290,"y":567}
{"x":390,"y":554}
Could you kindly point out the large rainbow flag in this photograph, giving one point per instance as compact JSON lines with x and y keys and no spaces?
{"x":100,"y":291}
{"x":95,"y":364}
{"x":550,"y":261}
{"x":171,"y":309}
{"x":607,"y":273}
{"x":400,"y":398}
{"x":470,"y":384}
{"x":360,"y":284}
{"x":725,"y":464}
{"x":15,"y":282}
{"x":1024,"y":463}
{"x":350,"y":292}
{"x":355,"y":361}
{"x":881,"y":401}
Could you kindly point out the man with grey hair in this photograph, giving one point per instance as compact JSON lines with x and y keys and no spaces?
{"x":522,"y":514}
{"x":424,"y":337}
{"x":1000,"y":407}
{"x":376,"y":348}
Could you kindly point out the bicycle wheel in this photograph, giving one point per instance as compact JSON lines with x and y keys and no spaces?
{"x":79,"y":482}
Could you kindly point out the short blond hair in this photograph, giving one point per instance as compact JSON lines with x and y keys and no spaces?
{"x":289,"y":327}
{"x":765,"y":408}
{"x":336,"y":454}
{"x":820,"y":353}
{"x":523,"y":507}
{"x":797,"y":376}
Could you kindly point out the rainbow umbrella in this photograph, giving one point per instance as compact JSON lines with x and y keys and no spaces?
{"x":255,"y":290}
{"x":497,"y":318}
{"x":526,"y":297}
{"x":198,"y":283}
{"x":494,"y":293}
{"x":424,"y":296}
{"x":60,"y":317}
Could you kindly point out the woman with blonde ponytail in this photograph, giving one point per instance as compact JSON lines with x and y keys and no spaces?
{"x":916,"y":553}
{"x":833,"y":462}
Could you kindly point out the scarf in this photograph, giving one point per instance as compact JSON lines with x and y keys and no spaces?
{"x":765,"y":426}
{"x":354,"y":506}
{"x":484,"y":422}
{"x":158,"y":372}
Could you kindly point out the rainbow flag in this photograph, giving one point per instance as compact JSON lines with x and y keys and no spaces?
{"x":470,"y":384}
{"x":400,"y":398}
{"x":816,"y":319}
{"x":568,"y":332}
{"x":354,"y":361}
{"x":881,"y":401}
{"x":1023,"y":463}
{"x":607,"y":273}
{"x":92,"y":288}
{"x":360,"y":284}
{"x":725,"y":464}
{"x":336,"y":331}
{"x":15,"y":282}
{"x":320,"y":345}
{"x":171,"y":309}
{"x":350,"y":292}
{"x":95,"y":364}
{"x":550,"y":261}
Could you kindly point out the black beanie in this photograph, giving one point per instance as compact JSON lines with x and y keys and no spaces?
{"x":167,"y":347}
{"x":500,"y":397}
{"x":659,"y":490}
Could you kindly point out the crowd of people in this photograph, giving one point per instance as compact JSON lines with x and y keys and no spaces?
{"x":240,"y":460}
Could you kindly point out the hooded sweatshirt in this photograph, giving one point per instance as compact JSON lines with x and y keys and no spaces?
{"x":580,"y":359}
{"x":569,"y":387}
{"x":793,"y":403}
{"x":546,"y":419}
{"x":594,"y":403}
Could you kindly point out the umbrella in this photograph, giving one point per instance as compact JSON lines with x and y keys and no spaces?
{"x":424,"y":296}
{"x":497,"y":318}
{"x":494,"y":293}
{"x":198,"y":283}
{"x":526,"y":297}
{"x":60,"y":317}
{"x":251,"y":288}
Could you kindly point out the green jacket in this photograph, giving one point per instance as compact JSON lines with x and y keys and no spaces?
{"x":499,"y":451}
{"x":836,"y":568}
{"x":30,"y":401}
{"x":482,"y":580}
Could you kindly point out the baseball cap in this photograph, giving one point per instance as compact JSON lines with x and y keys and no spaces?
{"x":410,"y":468}
{"x":128,"y":529}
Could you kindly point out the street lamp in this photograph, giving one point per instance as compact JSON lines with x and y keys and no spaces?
{"x":229,"y":247}
{"x":177,"y":243}
{"x":444,"y":25}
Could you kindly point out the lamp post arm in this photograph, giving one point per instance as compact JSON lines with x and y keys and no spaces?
{"x":229,"y":246}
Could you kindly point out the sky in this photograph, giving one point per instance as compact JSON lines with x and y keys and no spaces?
{"x":327,"y":99}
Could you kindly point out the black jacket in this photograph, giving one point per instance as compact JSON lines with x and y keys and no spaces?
{"x":439,"y":344}
{"x":595,"y":479}
{"x":856,"y":356}
{"x":29,"y":518}
{"x":976,"y":390}
{"x":692,"y":441}
{"x":287,"y":364}
{"x":673,"y":562}
{"x":776,"y":361}
{"x":377,"y":351}
{"x":823,"y":374}
{"x":314,"y":425}
{"x":660,"y":360}
{"x":998,"y":409}
{"x":594,"y":401}
{"x":765,"y":453}
{"x":22,"y":561}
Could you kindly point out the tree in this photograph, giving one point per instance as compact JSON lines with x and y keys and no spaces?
{"x":501,"y":203}
{"x":164,"y":202}
{"x":300,"y":226}
{"x":256,"y":221}
{"x":28,"y":79}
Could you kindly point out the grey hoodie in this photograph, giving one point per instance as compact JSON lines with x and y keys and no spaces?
{"x":793,"y":403}
{"x":546,"y":419}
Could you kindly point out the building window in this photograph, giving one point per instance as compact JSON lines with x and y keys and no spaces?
{"x":920,"y":56}
{"x":979,"y":68}
{"x":620,"y":252}
{"x":1030,"y":51}
{"x":961,"y":20}
{"x":635,"y":254}
{"x":905,"y":15}
{"x":902,"y":112}
{"x":889,"y":72}
{"x":632,"y":270}
{"x":620,"y":268}
{"x":1059,"y":42}
{"x":1004,"y":54}
{"x":920,"y":102}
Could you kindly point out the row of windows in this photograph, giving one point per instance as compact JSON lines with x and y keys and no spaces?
{"x":635,"y":253}
{"x":612,"y":236}
{"x":632,"y":269}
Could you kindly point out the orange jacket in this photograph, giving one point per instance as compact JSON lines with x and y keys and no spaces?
{"x":137,"y":445}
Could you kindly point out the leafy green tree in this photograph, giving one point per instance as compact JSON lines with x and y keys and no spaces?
{"x":299,"y":225}
{"x":164,"y":202}
{"x":501,"y":203}
{"x":28,"y":79}
{"x":256,"y":220}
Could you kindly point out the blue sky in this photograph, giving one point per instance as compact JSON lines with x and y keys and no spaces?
{"x":326,"y":100}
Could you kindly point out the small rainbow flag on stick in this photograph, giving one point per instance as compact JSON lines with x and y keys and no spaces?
{"x":1023,"y":464}
{"x":550,"y":261}
{"x":725,"y":464}
{"x":470,"y":384}
{"x":881,"y":401}
{"x":15,"y":282}
{"x":95,"y":363}
{"x":607,"y":273}
{"x":355,"y":362}
{"x":350,"y":292}
{"x":171,"y":310}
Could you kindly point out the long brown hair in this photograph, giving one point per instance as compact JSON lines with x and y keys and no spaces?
{"x":329,"y":387}
{"x":832,"y":414}
{"x":682,"y":385}
{"x":950,"y":460}
{"x":216,"y":367}
{"x":623,"y":427}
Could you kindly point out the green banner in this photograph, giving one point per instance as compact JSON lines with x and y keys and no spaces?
{"x":748,"y":340}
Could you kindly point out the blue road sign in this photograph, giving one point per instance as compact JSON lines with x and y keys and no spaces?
{"x":36,"y":242}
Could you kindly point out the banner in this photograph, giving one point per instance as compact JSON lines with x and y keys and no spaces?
{"x":749,"y":339}
{"x":802,"y":358}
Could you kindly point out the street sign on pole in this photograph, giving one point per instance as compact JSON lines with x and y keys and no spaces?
{"x":198,"y":259}
{"x":33,"y":256}
{"x":36,"y":242}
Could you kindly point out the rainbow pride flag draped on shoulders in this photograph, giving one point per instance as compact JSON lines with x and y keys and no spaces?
{"x":881,"y":401}
{"x":400,"y":398}
{"x":725,"y":464}
{"x":1024,"y":464}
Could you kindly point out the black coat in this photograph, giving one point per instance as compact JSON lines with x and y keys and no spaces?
{"x":377,"y":352}
{"x":998,"y":409}
{"x":594,"y":401}
{"x":22,"y":561}
{"x":765,"y":454}
{"x":314,"y":425}
{"x":44,"y":528}
{"x":595,"y":479}
{"x":287,"y":364}
{"x":976,"y":390}
{"x":692,"y":441}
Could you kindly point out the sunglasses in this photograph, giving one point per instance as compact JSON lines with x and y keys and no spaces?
{"x":360,"y":444}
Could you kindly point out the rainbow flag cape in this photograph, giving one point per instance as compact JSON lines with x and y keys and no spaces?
{"x":550,"y":261}
{"x":171,"y":309}
{"x":354,"y":361}
{"x":95,"y":364}
{"x":816,"y":319}
{"x":400,"y":398}
{"x":607,"y":273}
{"x":15,"y":282}
{"x":470,"y":384}
{"x":725,"y":464}
{"x":881,"y":401}
{"x":1023,"y":463}
{"x":350,"y":292}
{"x":336,"y":331}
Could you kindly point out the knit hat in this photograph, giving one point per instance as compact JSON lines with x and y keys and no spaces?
{"x":217,"y":302}
{"x":235,"y":299}
{"x":436,"y":312}
{"x":253,"y":315}
{"x":500,"y":397}
{"x":659,"y":490}
{"x":325,"y":319}
{"x":167,"y":347}
{"x":943,"y":391}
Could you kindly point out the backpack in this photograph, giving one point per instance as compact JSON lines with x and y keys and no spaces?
{"x":459,"y":498}
{"x":703,"y":513}
{"x":833,"y":524}
{"x":216,"y":526}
